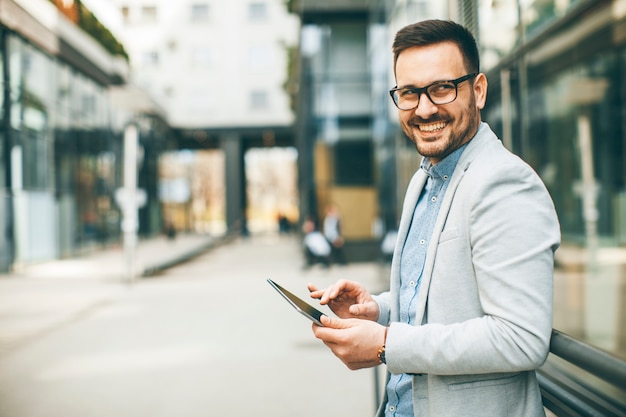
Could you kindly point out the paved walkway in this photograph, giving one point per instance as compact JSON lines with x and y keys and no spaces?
{"x":85,"y":343}
{"x":45,"y":296}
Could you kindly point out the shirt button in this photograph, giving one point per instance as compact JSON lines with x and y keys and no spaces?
{"x":445,"y":177}
{"x":412,"y":283}
{"x":433,"y":199}
{"x":422,"y":241}
{"x":392,"y":408}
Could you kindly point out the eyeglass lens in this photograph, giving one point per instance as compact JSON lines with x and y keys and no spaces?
{"x":440,"y":93}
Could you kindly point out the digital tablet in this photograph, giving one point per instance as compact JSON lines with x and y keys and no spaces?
{"x":303,"y":308}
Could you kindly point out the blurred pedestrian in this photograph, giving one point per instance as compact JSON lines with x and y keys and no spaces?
{"x":170,"y":230}
{"x":284,"y":226}
{"x":315,"y":246}
{"x":468,"y":317}
{"x":332,"y":232}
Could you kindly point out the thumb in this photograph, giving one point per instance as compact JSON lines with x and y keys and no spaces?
{"x":332,"y":322}
{"x":363,"y":310}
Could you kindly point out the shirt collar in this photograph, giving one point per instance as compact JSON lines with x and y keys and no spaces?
{"x":445,"y":167}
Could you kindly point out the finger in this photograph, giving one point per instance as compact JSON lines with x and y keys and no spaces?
{"x":333,"y":322}
{"x":366,"y":310}
{"x":337,"y":289}
{"x":326,"y":321}
{"x":315,"y":293}
{"x":361,"y":309}
{"x":321,"y":295}
{"x":355,"y":309}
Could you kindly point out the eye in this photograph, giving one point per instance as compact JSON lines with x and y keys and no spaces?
{"x":441,"y":89}
{"x":408,"y":92}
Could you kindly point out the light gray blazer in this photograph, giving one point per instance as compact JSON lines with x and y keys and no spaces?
{"x":485,"y":299}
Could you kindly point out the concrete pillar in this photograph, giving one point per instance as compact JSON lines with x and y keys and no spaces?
{"x":234,"y":181}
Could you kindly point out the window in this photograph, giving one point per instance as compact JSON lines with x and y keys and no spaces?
{"x":200,"y":101}
{"x":125,"y":12}
{"x":201,"y":57}
{"x":353,"y":163}
{"x":150,"y":58}
{"x":258,"y":57}
{"x":259,"y":99}
{"x":149,"y":14}
{"x":199,"y":12}
{"x":257,"y":11}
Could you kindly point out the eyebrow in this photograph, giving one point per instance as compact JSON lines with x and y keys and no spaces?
{"x":431,"y":83}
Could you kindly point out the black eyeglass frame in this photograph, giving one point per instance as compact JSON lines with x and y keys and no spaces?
{"x":424,"y":90}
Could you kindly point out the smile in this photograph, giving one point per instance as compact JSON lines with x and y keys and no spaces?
{"x":432,"y":127}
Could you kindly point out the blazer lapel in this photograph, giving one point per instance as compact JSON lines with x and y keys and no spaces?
{"x":484,"y":134}
{"x":410,"y":200}
{"x":431,"y":252}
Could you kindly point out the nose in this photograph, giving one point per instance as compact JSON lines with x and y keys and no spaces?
{"x":425,"y":108}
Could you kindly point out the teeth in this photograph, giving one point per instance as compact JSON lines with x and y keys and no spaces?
{"x":432,"y":127}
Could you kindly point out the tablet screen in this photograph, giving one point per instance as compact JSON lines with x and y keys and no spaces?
{"x":303,"y":308}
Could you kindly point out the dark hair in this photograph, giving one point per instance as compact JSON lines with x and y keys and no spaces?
{"x":429,"y":32}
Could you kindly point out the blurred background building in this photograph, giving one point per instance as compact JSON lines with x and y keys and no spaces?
{"x":61,"y":149}
{"x":248,"y":110}
{"x":219,"y":69}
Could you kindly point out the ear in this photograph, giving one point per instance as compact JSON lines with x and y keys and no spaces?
{"x":480,"y":90}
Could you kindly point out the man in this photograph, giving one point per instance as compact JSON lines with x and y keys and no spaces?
{"x":316,"y":247}
{"x":332,"y":232}
{"x":468,"y":316}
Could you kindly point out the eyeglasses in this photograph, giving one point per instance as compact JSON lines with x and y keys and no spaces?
{"x":439,"y":92}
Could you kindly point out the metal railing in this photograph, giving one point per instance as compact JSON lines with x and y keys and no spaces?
{"x":580,"y":380}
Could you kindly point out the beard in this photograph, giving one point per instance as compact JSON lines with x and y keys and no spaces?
{"x":458,"y":131}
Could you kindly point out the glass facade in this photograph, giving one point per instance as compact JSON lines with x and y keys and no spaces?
{"x":340,"y":111}
{"x":559,"y":101}
{"x":62,"y":158}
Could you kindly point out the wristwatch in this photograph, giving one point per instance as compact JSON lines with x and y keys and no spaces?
{"x":381,"y":355}
{"x":381,"y":350}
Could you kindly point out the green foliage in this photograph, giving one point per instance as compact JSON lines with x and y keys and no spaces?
{"x":90,"y":24}
{"x":291,"y":84}
{"x":292,"y":6}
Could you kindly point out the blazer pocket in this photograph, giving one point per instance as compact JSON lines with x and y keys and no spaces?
{"x":448,"y":234}
{"x":488,"y":382}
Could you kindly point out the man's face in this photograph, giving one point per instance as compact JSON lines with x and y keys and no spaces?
{"x":437,"y":130}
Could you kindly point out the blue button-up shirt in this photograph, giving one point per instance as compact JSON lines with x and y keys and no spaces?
{"x":399,"y":388}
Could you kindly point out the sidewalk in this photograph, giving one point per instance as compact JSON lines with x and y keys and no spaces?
{"x":162,"y":346}
{"x":45,"y":296}
{"x":152,"y":256}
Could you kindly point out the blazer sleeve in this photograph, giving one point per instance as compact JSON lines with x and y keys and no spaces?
{"x":384,"y":307}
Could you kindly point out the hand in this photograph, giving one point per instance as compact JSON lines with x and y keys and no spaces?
{"x":347,"y":299}
{"x":355,"y":342}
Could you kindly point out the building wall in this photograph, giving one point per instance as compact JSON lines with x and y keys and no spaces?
{"x":211,"y":63}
